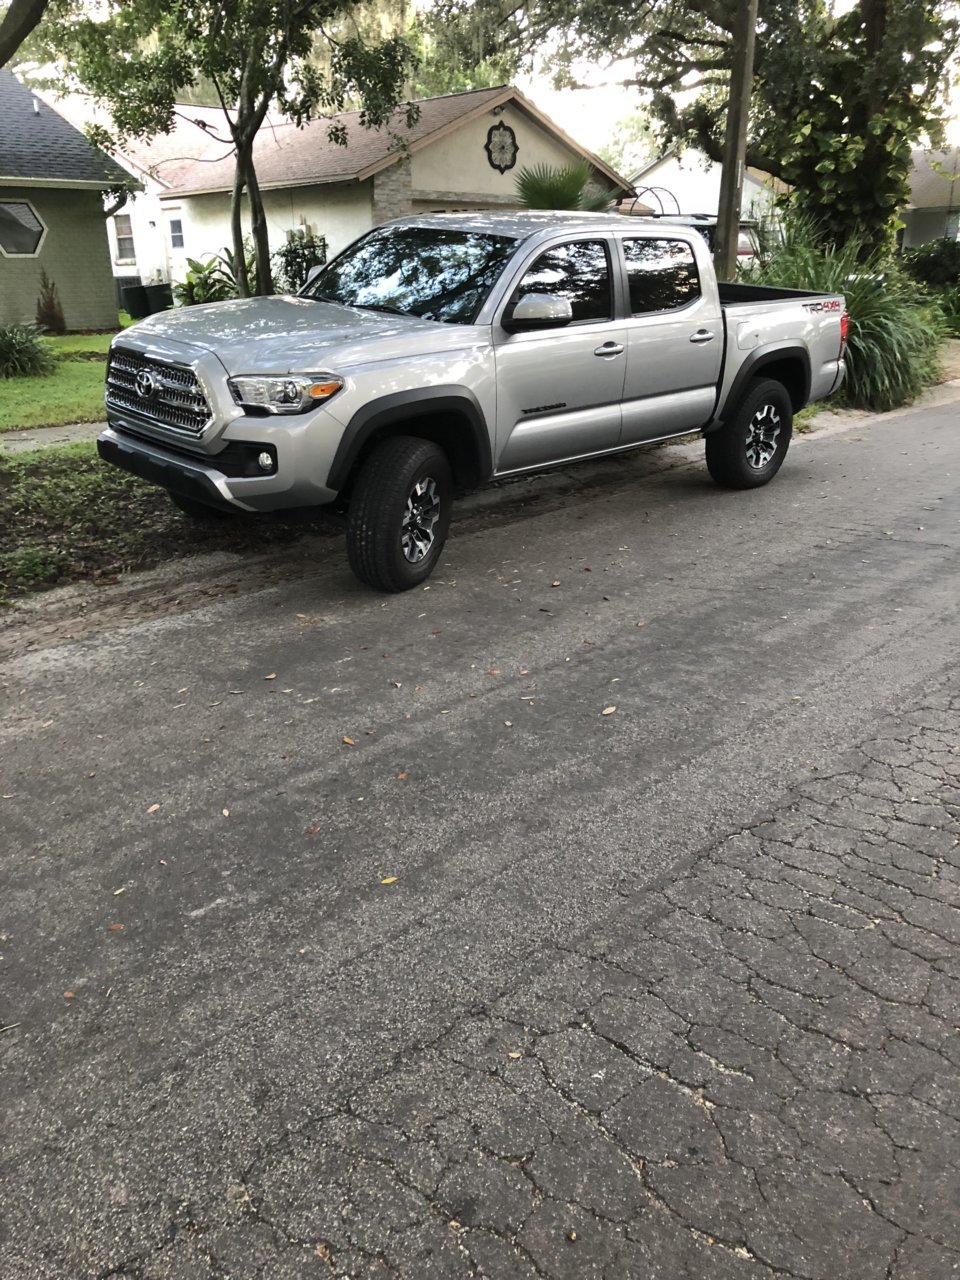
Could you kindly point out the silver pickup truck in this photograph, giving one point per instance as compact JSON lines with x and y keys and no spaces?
{"x":438,"y":352}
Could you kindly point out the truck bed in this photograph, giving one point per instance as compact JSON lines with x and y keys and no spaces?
{"x":734,"y":293}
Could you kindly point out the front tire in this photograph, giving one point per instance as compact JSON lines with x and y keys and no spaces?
{"x":750,"y":447}
{"x":399,"y":514}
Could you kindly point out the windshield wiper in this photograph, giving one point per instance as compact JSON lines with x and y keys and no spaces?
{"x":382,"y":306}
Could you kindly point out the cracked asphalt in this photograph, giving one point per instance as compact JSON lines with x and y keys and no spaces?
{"x":347,"y":937}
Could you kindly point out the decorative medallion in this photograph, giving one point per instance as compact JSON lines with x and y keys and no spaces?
{"x":501,"y":147}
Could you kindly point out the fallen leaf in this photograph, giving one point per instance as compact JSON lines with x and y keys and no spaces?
{"x":389,"y":880}
{"x":117,"y":892}
{"x":608,"y":711}
{"x":153,"y":808}
{"x":271,"y":676}
{"x":68,"y":995}
{"x":401,"y":776}
{"x":349,"y":742}
{"x":514,"y":1055}
{"x":225,"y":812}
{"x":555,"y":584}
{"x":508,"y":723}
{"x":571,"y":1236}
{"x":313,"y":831}
{"x":115,"y":928}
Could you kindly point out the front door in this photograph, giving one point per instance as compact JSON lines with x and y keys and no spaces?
{"x":558,"y":390}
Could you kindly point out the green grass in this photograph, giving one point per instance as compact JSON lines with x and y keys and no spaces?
{"x":82,"y":344}
{"x":66,"y":516}
{"x":72,"y":393}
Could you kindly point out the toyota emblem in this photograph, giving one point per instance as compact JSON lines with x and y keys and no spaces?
{"x":146,"y":384}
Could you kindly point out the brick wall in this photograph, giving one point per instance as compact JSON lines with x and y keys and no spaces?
{"x":75,"y":255}
{"x":392,"y":192}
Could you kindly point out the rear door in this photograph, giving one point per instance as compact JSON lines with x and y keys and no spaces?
{"x":558,"y":390}
{"x":674,"y":338}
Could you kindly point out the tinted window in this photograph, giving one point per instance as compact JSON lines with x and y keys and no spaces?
{"x":579,"y":272}
{"x":662,"y":275}
{"x":421,"y":271}
{"x":20,"y":229}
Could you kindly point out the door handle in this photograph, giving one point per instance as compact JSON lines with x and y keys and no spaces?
{"x":610,"y":349}
{"x":702,"y":335}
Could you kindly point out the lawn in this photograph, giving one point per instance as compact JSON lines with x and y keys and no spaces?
{"x":65,"y":515}
{"x":72,"y":393}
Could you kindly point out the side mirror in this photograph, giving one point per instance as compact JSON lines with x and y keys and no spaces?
{"x":537,"y":311}
{"x":312,"y":275}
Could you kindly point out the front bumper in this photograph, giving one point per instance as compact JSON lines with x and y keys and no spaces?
{"x":199,"y":477}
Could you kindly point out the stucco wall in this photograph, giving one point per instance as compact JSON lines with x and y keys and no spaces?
{"x":695,"y":183}
{"x":457,"y":164}
{"x":340,"y":213}
{"x":74,"y":254}
{"x":923,"y":225}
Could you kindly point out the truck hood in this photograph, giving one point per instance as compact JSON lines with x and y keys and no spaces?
{"x":277,"y":335}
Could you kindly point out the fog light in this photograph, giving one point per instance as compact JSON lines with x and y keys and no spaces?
{"x":265,"y":461}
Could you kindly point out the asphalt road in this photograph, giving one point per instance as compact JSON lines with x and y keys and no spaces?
{"x":343,"y":935}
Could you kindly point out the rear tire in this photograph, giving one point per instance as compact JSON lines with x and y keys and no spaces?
{"x":399,"y":514}
{"x":750,"y":447}
{"x":199,"y":510}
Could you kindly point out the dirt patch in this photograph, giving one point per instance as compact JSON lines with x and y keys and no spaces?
{"x":950,"y":360}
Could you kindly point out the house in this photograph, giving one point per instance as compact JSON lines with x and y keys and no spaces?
{"x":686,"y":181}
{"x":933,"y":212}
{"x":146,"y":239}
{"x":463,"y":153}
{"x":52,"y":183}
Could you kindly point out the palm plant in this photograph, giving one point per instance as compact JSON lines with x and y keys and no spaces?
{"x":547,"y":187}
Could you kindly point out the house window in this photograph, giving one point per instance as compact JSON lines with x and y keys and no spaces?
{"x":124,"y":229}
{"x":176,"y":233}
{"x":21,"y":231}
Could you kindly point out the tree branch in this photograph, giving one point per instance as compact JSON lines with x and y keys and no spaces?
{"x":20,"y":19}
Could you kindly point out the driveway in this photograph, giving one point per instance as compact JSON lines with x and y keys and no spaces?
{"x":589,"y":912}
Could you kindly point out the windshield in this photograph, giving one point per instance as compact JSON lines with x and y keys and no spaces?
{"x":436,"y":273}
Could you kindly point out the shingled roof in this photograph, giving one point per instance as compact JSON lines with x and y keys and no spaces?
{"x":39,"y":148}
{"x":286,"y":156}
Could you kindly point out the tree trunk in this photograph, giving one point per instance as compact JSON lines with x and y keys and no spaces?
{"x":261,"y":239}
{"x":236,"y":228}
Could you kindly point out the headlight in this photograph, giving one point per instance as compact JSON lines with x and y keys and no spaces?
{"x":291,"y":394}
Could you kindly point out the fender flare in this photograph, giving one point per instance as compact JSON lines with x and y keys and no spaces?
{"x":755,"y":363}
{"x":398,"y":408}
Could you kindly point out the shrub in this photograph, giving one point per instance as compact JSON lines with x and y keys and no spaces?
{"x":293,"y":261}
{"x":23,"y":353}
{"x":895,"y":333}
{"x":936,"y":263}
{"x":949,"y":300}
{"x":207,"y":281}
{"x":49,"y":310}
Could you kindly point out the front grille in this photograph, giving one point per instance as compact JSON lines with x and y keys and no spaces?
{"x":163,"y":395}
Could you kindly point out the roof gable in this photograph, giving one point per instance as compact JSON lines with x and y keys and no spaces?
{"x":39,"y":147}
{"x":287,"y":156}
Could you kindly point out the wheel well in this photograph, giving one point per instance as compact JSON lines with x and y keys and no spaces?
{"x":791,"y":373}
{"x":453,"y":432}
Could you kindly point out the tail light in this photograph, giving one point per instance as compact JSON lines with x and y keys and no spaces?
{"x":844,"y":333}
